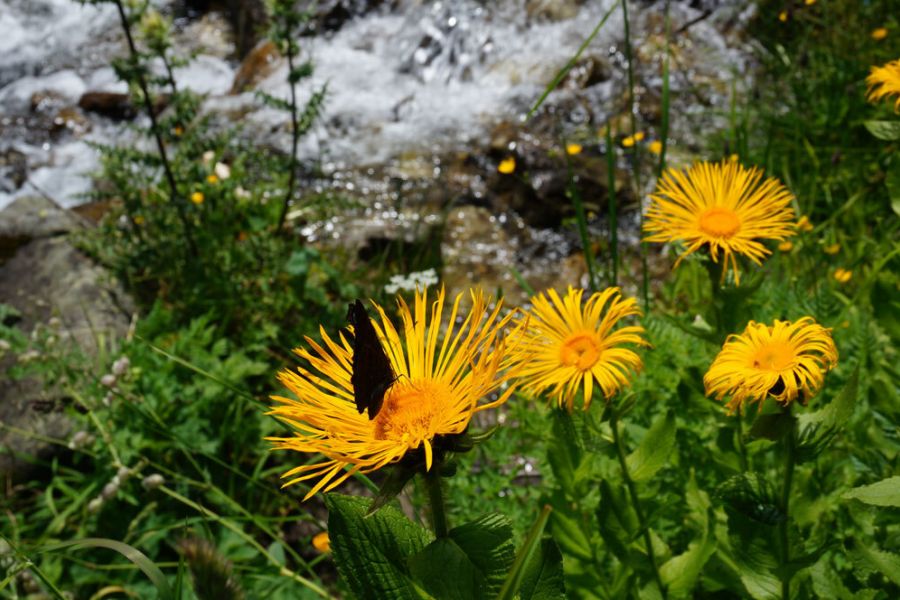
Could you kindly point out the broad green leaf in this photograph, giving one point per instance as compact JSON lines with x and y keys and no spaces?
{"x":470,"y":563}
{"x":371,"y":553}
{"x":680,"y":573}
{"x":654,"y":450}
{"x":816,"y":430}
{"x":564,"y":453}
{"x":570,"y":535}
{"x":530,"y":547}
{"x":871,"y":558}
{"x":755,"y":566}
{"x":888,"y":131}
{"x":618,"y":523}
{"x":543,"y":578}
{"x":883,"y":493}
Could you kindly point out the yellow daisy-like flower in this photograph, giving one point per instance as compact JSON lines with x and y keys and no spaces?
{"x":786,"y":246}
{"x":780,"y":360}
{"x":507,"y":165}
{"x":804,"y":224}
{"x":197,"y":198}
{"x":321,"y":542}
{"x":438,"y":388}
{"x":566,"y":347}
{"x":722,"y":206}
{"x":879,"y":34}
{"x":832,"y":249}
{"x":842,"y":275}
{"x":655,"y":147}
{"x":884,"y":82}
{"x":572,"y":149}
{"x":783,"y":16}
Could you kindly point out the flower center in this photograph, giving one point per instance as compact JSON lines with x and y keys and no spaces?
{"x":774,"y":357}
{"x":581,"y":351}
{"x":720,"y":222}
{"x":411,"y":410}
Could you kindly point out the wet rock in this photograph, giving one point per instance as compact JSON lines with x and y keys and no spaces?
{"x":211,"y":34}
{"x":32,"y":217}
{"x":13,"y":170}
{"x":256,"y":66}
{"x":330,"y":15}
{"x":115,"y":105}
{"x":47,"y":278}
{"x":249,"y":19}
{"x":588,"y":71}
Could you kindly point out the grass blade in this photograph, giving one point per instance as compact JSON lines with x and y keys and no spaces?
{"x":514,"y":578}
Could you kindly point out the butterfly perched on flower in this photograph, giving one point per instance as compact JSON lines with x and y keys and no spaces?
{"x":372,"y":374}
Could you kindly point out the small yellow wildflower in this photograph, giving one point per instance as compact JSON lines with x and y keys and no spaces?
{"x":628,"y":142}
{"x":734,"y":158}
{"x":832,"y":249}
{"x":197,"y":198}
{"x":639,"y":136}
{"x":879,"y":34}
{"x":810,"y":2}
{"x":783,"y":16}
{"x":321,"y":542}
{"x":138,"y":220}
{"x":211,"y":178}
{"x":178,"y":130}
{"x":842,"y":275}
{"x":655,"y":147}
{"x":507,"y":165}
{"x":786,"y":246}
{"x":803,"y":224}
{"x":572,"y":149}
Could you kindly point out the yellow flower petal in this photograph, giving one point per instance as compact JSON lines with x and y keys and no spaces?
{"x":884,"y":82}
{"x":197,"y":198}
{"x":322,"y":542}
{"x":507,"y":165}
{"x":655,"y":147}
{"x":879,"y":34}
{"x":572,"y":149}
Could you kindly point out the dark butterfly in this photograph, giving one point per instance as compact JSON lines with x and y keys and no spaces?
{"x":372,"y":374}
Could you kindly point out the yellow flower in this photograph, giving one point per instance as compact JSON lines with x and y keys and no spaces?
{"x":197,"y":198}
{"x":321,"y":542}
{"x":786,"y":246}
{"x":722,"y":206}
{"x":879,"y":34}
{"x":803,"y":224}
{"x":438,"y":388}
{"x":572,"y":149}
{"x":178,"y":130}
{"x":780,"y":360}
{"x":655,"y":147}
{"x":628,"y":142}
{"x":507,"y":165}
{"x":810,"y":2}
{"x":734,"y":157}
{"x":138,"y":220}
{"x":566,"y":348}
{"x":832,"y":249}
{"x":211,"y":178}
{"x":639,"y":136}
{"x":884,"y":82}
{"x":783,"y":16}
{"x":842,"y":275}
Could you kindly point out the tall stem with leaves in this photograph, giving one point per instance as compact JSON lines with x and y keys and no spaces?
{"x":636,"y":155}
{"x":137,"y":74}
{"x":635,"y":501}
{"x":287,"y":21}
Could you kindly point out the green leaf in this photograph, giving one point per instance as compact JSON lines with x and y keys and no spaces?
{"x":398,"y":476}
{"x":680,"y":573}
{"x":524,"y":557}
{"x":371,"y":553}
{"x":883,"y":493}
{"x":871,"y":558}
{"x":892,"y":181}
{"x":654,"y":450}
{"x":771,"y":427}
{"x":564,"y":453}
{"x":570,"y":535}
{"x":750,"y":495}
{"x":618,"y":523}
{"x":884,"y":130}
{"x":543,"y":578}
{"x":816,"y":430}
{"x":471,"y":563}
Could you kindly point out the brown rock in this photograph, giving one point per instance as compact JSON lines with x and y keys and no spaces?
{"x":31,"y":217}
{"x":258,"y":64}
{"x":115,"y":105}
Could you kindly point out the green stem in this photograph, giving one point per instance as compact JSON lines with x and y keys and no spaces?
{"x":613,"y":209}
{"x":581,"y":219}
{"x":789,"y":462}
{"x":636,"y":155}
{"x":635,"y":503}
{"x":436,"y":500}
{"x":742,"y":448}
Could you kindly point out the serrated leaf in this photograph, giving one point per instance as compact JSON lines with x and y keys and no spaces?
{"x":816,"y":430}
{"x":654,"y":450}
{"x":371,"y":553}
{"x":883,"y":493}
{"x":883,"y":562}
{"x":543,"y":579}
{"x":570,"y":536}
{"x":471,"y":563}
{"x":888,"y":131}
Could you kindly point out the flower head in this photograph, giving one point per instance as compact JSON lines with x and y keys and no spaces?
{"x":572,"y":149}
{"x":786,"y":246}
{"x":832,"y":249}
{"x":842,"y":275}
{"x":780,"y":360}
{"x":722,"y":206}
{"x":438,"y":388}
{"x":655,"y":147}
{"x":884,"y":82}
{"x":507,"y":165}
{"x":568,"y":346}
{"x":879,"y":34}
{"x":804,"y":224}
{"x":321,"y":542}
{"x":197,"y":198}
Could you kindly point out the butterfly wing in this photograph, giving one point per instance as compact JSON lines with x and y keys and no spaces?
{"x":372,"y":373}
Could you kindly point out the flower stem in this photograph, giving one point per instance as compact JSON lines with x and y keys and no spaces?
{"x":742,"y":448}
{"x":789,"y":462}
{"x":635,"y":503}
{"x":436,"y":500}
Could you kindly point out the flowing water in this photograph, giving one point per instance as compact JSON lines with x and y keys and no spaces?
{"x":411,"y":84}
